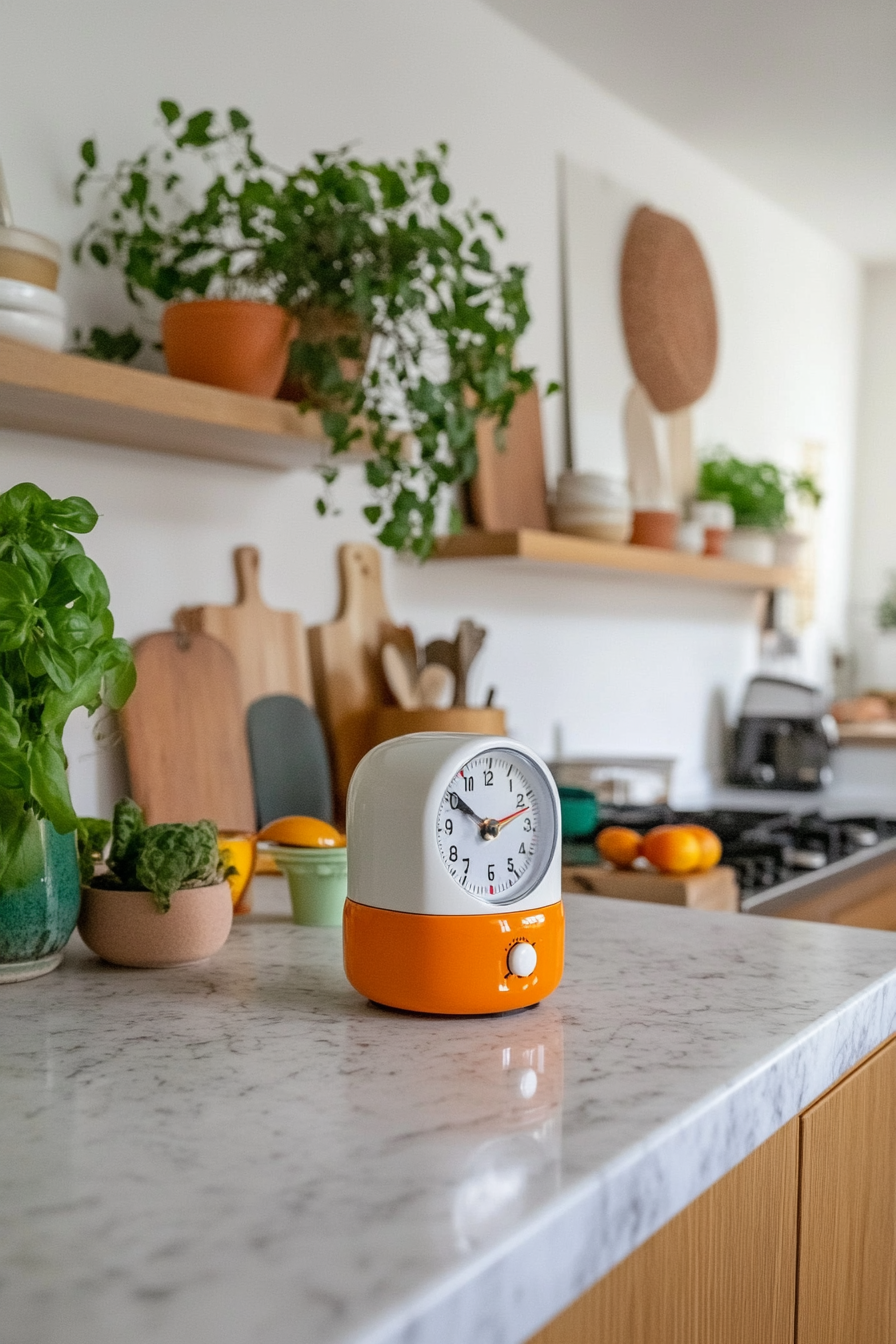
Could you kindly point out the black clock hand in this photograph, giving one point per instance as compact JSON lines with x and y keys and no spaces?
{"x":459,"y":803}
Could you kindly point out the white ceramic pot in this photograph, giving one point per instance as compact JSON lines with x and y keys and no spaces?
{"x":713,"y":513}
{"x":41,"y":329}
{"x":751,"y":545}
{"x":691,"y":537}
{"x":126,"y":928}
{"x":592,"y":489}
{"x":25,"y":298}
{"x":788,"y":548}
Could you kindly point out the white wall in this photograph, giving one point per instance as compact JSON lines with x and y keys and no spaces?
{"x":619,"y":665}
{"x":874,"y":549}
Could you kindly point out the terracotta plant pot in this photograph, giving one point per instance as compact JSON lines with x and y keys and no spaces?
{"x":233,"y":343}
{"x":126,"y":928}
{"x":655,"y":527}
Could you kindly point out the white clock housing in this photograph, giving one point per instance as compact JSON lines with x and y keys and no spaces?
{"x":415,"y":823}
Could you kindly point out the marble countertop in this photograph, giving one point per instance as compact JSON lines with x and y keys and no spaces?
{"x":246,"y":1150}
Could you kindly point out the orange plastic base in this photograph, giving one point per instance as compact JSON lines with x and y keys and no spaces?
{"x":453,"y":964}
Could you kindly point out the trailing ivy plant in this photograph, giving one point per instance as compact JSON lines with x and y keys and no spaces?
{"x":757,"y":491}
{"x":57,"y":653}
{"x":408,"y":322}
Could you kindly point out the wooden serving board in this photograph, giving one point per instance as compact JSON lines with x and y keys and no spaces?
{"x":184,"y":733}
{"x":346,"y":660}
{"x":715,"y":890}
{"x":508,"y":490}
{"x":270,"y":647}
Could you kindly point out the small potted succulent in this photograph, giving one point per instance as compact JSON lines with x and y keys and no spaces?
{"x":758,"y":493}
{"x":163,"y":899}
{"x":206,"y":261}
{"x":57,"y":654}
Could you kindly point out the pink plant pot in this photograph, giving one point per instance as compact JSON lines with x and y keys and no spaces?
{"x":125,"y":927}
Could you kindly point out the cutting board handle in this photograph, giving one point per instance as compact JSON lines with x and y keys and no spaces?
{"x":247,"y":562}
{"x":363,"y":602}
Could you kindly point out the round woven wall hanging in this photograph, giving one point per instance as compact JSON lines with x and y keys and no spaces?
{"x":668,"y":310}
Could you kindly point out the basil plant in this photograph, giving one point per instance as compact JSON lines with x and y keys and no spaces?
{"x":57,"y":653}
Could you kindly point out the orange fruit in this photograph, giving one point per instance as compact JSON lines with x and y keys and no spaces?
{"x":672,"y":849}
{"x":710,"y":846}
{"x":619,"y":844}
{"x":305,"y":832}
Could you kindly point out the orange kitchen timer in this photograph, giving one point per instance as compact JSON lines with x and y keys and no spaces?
{"x":454,"y":895}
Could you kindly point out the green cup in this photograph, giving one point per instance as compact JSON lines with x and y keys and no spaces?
{"x":318,"y":882}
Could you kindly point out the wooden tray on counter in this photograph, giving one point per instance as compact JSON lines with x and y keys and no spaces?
{"x":715,"y":890}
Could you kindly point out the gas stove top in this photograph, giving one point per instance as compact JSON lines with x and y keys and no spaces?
{"x":770,"y":850}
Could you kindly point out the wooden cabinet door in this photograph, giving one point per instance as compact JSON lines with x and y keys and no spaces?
{"x":846,"y":1290}
{"x":722,"y":1272}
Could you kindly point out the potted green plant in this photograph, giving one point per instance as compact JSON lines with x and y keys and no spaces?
{"x":164,"y":898}
{"x":206,"y":260}
{"x":407,"y":322}
{"x":758,"y":492}
{"x":57,"y":653}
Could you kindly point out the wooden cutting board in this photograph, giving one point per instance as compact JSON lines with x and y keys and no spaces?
{"x":715,"y":890}
{"x":346,"y":660}
{"x":290,"y":765}
{"x":184,"y":733}
{"x":508,"y":491}
{"x":648,"y":463}
{"x":270,"y":647}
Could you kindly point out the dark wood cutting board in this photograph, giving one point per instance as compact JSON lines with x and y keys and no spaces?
{"x":508,"y":491}
{"x":184,"y":732}
{"x":346,"y":659}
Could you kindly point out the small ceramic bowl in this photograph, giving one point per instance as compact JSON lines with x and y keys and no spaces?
{"x":126,"y":928}
{"x":34,"y":328}
{"x":318,"y":882}
{"x":25,"y":298}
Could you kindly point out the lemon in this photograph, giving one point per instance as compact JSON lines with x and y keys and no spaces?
{"x":306,"y":832}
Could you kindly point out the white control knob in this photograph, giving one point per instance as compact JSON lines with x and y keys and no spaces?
{"x":521,"y":959}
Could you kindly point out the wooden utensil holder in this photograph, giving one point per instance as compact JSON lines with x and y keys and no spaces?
{"x":390,"y":721}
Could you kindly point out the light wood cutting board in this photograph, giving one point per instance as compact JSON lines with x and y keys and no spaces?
{"x":508,"y":491}
{"x":715,"y":890}
{"x":346,"y":659}
{"x":184,"y":733}
{"x":270,"y":647}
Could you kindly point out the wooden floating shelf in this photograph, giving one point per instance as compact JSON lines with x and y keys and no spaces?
{"x":73,"y":397}
{"x":556,"y":548}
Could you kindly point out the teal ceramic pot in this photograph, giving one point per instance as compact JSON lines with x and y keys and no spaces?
{"x":37,"y":921}
{"x":578,"y":812}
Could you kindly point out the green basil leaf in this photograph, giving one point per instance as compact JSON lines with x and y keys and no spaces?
{"x":15,"y":584}
{"x":23,"y":501}
{"x":58,"y":663}
{"x":21,"y":850}
{"x":15,"y":773}
{"x":50,"y":785}
{"x":74,"y":514}
{"x":120,"y":679}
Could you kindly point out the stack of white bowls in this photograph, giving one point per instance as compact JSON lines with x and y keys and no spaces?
{"x":32,"y":313}
{"x":590,"y":504}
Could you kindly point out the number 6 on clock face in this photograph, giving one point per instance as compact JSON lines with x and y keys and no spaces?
{"x":496,"y":826}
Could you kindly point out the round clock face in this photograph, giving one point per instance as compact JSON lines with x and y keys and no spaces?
{"x":496,"y":826}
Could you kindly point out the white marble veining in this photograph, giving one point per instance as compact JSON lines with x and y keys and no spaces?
{"x":247,"y":1151}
